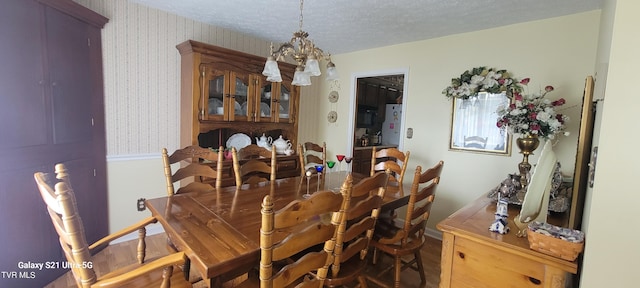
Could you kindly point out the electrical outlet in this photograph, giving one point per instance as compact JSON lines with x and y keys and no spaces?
{"x":409,"y":133}
{"x":141,"y":205}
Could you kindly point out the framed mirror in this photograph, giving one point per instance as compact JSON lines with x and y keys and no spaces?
{"x":473,"y":124}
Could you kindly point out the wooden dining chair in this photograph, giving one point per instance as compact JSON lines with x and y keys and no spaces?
{"x":355,"y":231}
{"x":313,"y":154}
{"x":290,"y":240}
{"x":192,"y":169}
{"x":59,"y":197}
{"x":400,"y":241}
{"x":388,"y":158}
{"x":253,"y":170}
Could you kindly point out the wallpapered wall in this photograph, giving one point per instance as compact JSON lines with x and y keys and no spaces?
{"x":142,"y":72}
{"x":142,"y":92}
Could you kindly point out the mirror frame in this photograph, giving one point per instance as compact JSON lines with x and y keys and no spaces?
{"x":455,"y":105}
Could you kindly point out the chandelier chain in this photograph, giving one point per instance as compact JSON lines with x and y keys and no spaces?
{"x":301,"y":3}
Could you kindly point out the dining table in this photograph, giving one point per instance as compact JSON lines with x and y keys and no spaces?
{"x":219,"y":230}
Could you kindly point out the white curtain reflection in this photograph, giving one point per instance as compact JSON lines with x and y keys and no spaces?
{"x":477,"y":116}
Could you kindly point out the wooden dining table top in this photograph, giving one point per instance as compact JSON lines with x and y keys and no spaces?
{"x":219,"y":230}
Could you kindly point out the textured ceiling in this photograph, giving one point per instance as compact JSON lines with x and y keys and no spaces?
{"x":340,"y":26}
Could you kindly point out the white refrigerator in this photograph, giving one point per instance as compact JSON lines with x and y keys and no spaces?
{"x":391,"y":125}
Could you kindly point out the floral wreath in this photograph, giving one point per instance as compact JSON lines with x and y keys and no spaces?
{"x":482,"y":79}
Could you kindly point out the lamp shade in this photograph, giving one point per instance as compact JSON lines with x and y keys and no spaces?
{"x":270,"y":67}
{"x":332,"y":72}
{"x":312,"y":67}
{"x":300,"y":78}
{"x":275,"y":78}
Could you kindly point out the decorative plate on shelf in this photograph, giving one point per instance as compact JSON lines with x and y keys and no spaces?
{"x":332,"y":116}
{"x":333,"y":96}
{"x":243,"y":108}
{"x":214,"y":104}
{"x":238,"y":108}
{"x":265,"y":110}
{"x":239,"y":141}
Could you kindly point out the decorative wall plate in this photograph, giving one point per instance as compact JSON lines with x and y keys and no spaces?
{"x":332,"y":116}
{"x":333,"y":96}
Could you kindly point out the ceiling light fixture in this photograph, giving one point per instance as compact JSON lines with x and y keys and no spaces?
{"x":306,"y":55}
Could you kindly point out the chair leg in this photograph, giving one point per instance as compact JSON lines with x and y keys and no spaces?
{"x":362,"y":281}
{"x":418,"y":257}
{"x":187,"y":269}
{"x":374,"y":259}
{"x":396,"y":277}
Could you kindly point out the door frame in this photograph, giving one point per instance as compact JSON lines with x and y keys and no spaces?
{"x":353,"y":98}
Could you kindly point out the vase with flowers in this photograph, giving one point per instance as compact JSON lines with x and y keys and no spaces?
{"x":531,"y":117}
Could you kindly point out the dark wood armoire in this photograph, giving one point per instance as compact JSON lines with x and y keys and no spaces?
{"x":51,"y":111}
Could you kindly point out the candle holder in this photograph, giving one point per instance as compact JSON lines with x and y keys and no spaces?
{"x":319,"y":169}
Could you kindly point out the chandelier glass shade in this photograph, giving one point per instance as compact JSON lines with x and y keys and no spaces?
{"x":302,"y":50}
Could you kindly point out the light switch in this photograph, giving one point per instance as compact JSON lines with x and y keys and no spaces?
{"x":409,"y":133}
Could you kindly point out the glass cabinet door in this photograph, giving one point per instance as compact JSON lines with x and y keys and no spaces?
{"x":238,"y":96}
{"x":285,"y":101}
{"x":225,"y":94}
{"x":239,"y":99}
{"x":214,"y":88}
{"x":265,"y":101}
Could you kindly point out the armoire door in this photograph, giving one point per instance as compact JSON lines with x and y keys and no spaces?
{"x":51,"y":111}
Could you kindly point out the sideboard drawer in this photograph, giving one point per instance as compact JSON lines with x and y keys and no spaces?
{"x":475,"y":263}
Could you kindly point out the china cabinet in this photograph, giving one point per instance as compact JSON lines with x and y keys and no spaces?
{"x":223,"y":92}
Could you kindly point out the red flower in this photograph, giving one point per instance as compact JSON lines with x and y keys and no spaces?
{"x":559,"y":118}
{"x":534,"y":127}
{"x":518,"y":96}
{"x":558,"y":102}
{"x":548,"y":88}
{"x":533,"y":116}
{"x":501,"y":81}
{"x":525,"y":81}
{"x":531,"y":106}
{"x":512,"y":106}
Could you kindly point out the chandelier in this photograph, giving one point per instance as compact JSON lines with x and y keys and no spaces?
{"x":305,"y":53}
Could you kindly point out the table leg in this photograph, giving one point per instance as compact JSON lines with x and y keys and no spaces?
{"x":446,"y":260}
{"x":215,"y":282}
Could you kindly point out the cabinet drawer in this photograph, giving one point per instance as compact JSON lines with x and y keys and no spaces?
{"x":475,"y":263}
{"x":286,"y":165}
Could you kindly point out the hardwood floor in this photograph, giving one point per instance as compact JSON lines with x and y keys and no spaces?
{"x":156,"y":247}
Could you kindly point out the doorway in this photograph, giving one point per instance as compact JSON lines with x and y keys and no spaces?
{"x":370,"y":93}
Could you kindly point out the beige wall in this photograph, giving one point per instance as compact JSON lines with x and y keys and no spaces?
{"x":612,"y":250}
{"x":559,"y":52}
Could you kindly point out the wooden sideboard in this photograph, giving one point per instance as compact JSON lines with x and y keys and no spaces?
{"x":473,"y":256}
